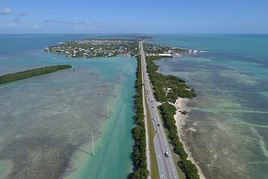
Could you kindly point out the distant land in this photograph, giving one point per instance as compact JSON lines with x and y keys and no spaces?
{"x":113,"y":47}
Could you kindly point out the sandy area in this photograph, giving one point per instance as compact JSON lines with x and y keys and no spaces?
{"x":181,"y":105}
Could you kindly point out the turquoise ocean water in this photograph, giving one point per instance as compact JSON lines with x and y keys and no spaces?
{"x":227,"y":127}
{"x":48,"y":120}
{"x":228,"y":119}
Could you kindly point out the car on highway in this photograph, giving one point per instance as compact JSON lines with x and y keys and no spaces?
{"x":166,"y":154}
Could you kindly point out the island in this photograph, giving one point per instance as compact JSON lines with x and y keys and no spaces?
{"x":166,"y":51}
{"x":11,"y":77}
{"x":113,"y":47}
{"x":95,"y":48}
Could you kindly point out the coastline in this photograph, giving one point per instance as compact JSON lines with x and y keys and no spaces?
{"x":181,"y":105}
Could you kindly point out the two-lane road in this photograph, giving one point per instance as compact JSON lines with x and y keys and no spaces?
{"x":166,"y":164}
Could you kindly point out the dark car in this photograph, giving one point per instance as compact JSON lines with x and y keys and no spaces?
{"x":166,"y":154}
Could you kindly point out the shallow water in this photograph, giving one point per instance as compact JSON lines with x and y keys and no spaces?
{"x":46,"y":121}
{"x":230,"y":113}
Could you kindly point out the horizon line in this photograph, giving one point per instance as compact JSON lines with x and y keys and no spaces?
{"x":134,"y":33}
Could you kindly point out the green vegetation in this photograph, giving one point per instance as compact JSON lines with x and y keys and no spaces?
{"x":168,"y":111}
{"x":139,"y":151}
{"x":160,"y":49}
{"x":167,"y":88}
{"x":31,"y":73}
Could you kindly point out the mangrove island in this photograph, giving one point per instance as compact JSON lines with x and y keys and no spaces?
{"x":31,"y":73}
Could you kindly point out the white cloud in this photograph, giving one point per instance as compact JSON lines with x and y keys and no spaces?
{"x":5,"y":11}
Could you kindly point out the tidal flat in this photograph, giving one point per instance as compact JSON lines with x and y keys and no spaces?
{"x":229,"y":117}
{"x":47,"y":122}
{"x":44,"y":120}
{"x":226,"y":126}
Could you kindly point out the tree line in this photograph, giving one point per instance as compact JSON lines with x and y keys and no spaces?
{"x":167,"y":89}
{"x":168,"y":111}
{"x":31,"y":73}
{"x":139,"y":151}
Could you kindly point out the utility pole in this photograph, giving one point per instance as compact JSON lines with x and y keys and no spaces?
{"x":92,"y":141}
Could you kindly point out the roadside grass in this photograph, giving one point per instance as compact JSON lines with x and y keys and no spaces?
{"x":154,"y":166}
{"x":176,"y":159}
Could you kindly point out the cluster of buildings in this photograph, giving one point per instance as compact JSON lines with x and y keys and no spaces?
{"x":95,"y":48}
{"x":110,"y":48}
{"x":164,"y":51}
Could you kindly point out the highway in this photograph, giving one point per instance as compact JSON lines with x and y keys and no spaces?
{"x":166,"y":164}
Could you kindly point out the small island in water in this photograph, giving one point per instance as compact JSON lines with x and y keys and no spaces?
{"x":31,"y":73}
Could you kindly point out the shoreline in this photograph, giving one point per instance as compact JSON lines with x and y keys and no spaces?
{"x":181,"y":105}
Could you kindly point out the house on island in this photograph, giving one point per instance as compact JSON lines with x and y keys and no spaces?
{"x":165,"y":55}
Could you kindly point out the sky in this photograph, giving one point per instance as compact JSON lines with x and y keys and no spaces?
{"x":134,"y":16}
